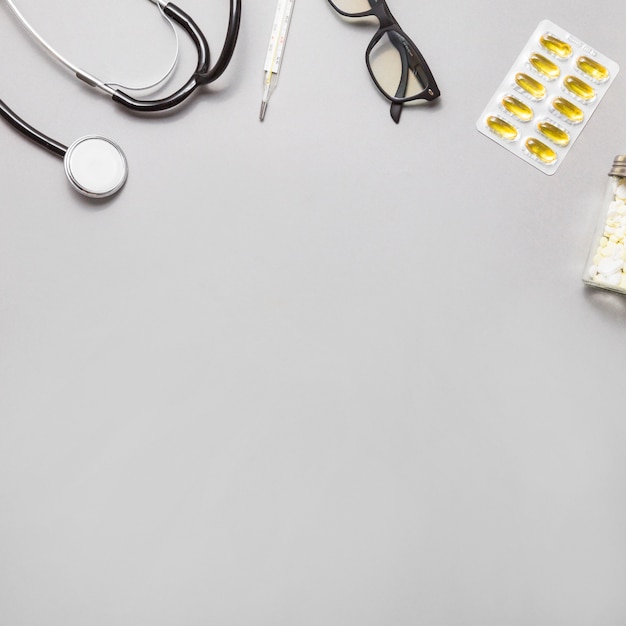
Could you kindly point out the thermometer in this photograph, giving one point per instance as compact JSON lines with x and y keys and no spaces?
{"x":274,"y":57}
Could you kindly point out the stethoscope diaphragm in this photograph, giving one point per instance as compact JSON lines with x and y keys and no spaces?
{"x":96,"y":166}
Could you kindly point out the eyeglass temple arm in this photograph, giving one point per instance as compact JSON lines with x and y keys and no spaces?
{"x":396,"y":107}
{"x":418,"y":64}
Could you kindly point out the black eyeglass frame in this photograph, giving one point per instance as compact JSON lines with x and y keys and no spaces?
{"x":412,"y":58}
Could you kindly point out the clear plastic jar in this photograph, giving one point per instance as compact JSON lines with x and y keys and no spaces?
{"x":606,"y":263}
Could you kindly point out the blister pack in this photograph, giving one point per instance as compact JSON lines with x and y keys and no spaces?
{"x":547,"y":97}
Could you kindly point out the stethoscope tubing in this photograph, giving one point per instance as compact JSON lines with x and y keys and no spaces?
{"x":30,"y":132}
{"x":97,"y":166}
{"x":204,"y":74}
{"x":98,"y":171}
{"x":85,"y":76}
{"x":202,"y":68}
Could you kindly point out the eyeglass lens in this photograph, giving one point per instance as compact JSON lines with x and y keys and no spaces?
{"x":388,"y":61}
{"x":354,"y":6}
{"x":394,"y":62}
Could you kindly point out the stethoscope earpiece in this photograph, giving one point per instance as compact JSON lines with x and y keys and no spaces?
{"x":96,"y":166}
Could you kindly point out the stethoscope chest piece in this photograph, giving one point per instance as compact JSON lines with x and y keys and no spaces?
{"x":96,"y":166}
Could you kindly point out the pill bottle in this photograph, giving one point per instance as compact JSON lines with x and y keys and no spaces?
{"x":606,"y":263}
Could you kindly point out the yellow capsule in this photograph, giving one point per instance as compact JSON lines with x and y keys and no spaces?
{"x":579,"y":88}
{"x":540,"y":150}
{"x":518,"y":108}
{"x":502,"y":128}
{"x":545,"y":66}
{"x":553,"y":133}
{"x":592,"y":68}
{"x":568,"y":110}
{"x":530,"y":85}
{"x":557,"y":47}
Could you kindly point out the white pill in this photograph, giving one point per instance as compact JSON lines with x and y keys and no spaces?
{"x":610,"y":266}
{"x":621,"y":191}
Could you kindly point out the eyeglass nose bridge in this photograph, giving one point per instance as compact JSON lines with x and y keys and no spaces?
{"x":381,"y":11}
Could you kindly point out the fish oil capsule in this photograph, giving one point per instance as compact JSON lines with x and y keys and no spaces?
{"x":579,"y":88}
{"x":553,"y":133}
{"x":592,"y":68}
{"x":546,"y":67}
{"x":502,"y":128}
{"x":554,"y":45}
{"x":518,"y":108}
{"x":540,"y":150}
{"x":530,"y":85}
{"x":568,"y":110}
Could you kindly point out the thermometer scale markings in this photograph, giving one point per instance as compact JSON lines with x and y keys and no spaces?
{"x":274,"y":57}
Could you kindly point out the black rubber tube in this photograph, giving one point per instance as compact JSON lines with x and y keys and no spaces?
{"x":191,"y":85}
{"x":32,"y":133}
{"x":204,"y":74}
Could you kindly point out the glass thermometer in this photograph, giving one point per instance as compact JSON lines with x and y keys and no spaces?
{"x":274,"y":57}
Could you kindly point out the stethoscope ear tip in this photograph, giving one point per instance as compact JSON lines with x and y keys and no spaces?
{"x":96,"y":166}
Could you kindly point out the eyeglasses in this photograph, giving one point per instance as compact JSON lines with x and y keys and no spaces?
{"x":396,"y":66}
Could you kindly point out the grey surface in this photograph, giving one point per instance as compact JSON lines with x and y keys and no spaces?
{"x":320,"y":370}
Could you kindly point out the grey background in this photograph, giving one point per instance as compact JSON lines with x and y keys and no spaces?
{"x":320,"y":370}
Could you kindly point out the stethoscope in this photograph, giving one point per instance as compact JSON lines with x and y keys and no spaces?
{"x":97,"y":166}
